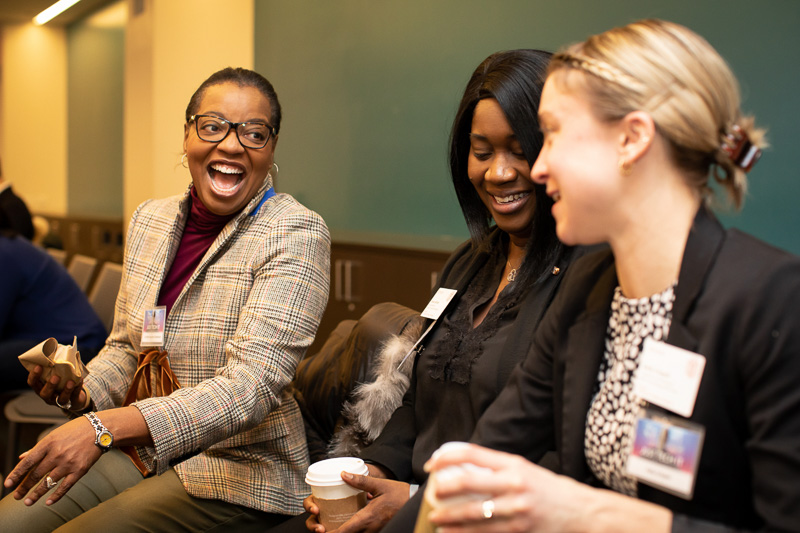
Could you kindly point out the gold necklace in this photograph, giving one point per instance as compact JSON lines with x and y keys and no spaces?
{"x":513,"y":274}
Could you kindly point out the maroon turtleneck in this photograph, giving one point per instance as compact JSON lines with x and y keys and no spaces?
{"x":202,"y":228}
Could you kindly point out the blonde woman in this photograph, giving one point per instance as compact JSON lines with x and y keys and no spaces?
{"x":667,"y":369}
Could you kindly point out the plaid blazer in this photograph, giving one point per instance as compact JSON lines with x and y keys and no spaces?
{"x":234,"y":335}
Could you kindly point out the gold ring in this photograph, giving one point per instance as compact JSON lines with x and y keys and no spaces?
{"x":488,"y":509}
{"x":49,"y":483}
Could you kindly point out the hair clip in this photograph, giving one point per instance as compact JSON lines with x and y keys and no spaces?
{"x":742,"y":152}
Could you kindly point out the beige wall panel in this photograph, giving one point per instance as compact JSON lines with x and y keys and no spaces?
{"x":34,"y":93}
{"x":2,"y":100}
{"x":180,"y":56}
{"x":138,"y":143}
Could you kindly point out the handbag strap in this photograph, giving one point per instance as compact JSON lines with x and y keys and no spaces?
{"x":166,"y":381}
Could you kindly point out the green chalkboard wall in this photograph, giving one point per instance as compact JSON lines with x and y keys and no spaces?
{"x":95,"y":66}
{"x":369,"y":89}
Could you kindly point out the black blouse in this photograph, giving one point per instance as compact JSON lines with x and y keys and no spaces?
{"x":456,"y":375}
{"x":462,"y":369}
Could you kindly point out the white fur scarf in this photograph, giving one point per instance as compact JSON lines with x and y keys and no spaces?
{"x":371,"y":404}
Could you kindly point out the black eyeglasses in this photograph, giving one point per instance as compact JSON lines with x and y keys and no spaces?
{"x":214,"y":129}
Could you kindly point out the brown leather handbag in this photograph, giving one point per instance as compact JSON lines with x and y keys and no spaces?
{"x":141,"y":388}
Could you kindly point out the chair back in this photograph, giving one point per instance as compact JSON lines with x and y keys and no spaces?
{"x":81,"y":268}
{"x":103,"y":296}
{"x":59,"y":255}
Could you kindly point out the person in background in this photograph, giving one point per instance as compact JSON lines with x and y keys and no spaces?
{"x":667,"y":369}
{"x":243,"y":275}
{"x":14,"y":214}
{"x":506,"y":276}
{"x":39,"y":300}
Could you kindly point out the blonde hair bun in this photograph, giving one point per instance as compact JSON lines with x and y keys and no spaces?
{"x":677,"y":77}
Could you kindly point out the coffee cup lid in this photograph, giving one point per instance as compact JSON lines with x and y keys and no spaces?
{"x":328,"y":472}
{"x":448,"y":447}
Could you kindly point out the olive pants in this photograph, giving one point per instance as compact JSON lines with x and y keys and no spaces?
{"x":113,"y":496}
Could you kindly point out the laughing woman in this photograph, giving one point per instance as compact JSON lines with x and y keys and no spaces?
{"x":505,"y":277}
{"x":242,"y":273}
{"x":667,"y":370}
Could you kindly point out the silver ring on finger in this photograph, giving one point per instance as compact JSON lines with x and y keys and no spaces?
{"x":488,"y":509}
{"x":49,"y":483}
{"x":66,"y":406}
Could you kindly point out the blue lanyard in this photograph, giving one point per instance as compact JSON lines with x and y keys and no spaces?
{"x":267,"y":195}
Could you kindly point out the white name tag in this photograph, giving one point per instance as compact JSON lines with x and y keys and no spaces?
{"x":665,"y":453}
{"x":437,"y":304}
{"x":432,"y":311}
{"x":668,"y":376}
{"x":153,"y":326}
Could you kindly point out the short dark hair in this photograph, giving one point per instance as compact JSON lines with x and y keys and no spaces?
{"x":514,"y":78}
{"x":243,"y":78}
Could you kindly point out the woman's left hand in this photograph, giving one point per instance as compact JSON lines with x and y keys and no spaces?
{"x":64,"y":455}
{"x":71,"y":397}
{"x":525,"y":497}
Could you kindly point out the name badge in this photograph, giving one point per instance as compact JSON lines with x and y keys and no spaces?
{"x":668,"y":376}
{"x":437,"y":304}
{"x":433,"y":311}
{"x":666,"y":452}
{"x":153,"y":326}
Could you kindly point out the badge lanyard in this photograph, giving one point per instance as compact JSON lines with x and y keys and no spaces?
{"x":433,"y":311}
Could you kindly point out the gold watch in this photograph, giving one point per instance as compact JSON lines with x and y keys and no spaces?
{"x":104,"y":439}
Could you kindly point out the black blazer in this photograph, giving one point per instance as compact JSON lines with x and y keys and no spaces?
{"x":737,"y":303}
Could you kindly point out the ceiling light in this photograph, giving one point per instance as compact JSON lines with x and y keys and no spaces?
{"x":53,"y":11}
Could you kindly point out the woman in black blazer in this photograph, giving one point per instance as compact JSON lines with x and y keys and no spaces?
{"x":636,"y":120}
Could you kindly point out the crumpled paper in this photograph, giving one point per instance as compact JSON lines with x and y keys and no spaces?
{"x":59,"y":359}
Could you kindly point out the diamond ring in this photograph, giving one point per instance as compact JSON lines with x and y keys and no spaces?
{"x":488,"y":508}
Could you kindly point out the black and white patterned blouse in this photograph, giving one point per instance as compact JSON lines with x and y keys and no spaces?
{"x":613,"y":411}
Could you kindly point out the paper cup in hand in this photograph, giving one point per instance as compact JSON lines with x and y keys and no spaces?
{"x":337,"y":501}
{"x":61,"y":360}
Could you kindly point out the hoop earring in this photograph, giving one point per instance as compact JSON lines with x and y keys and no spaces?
{"x":625,"y":167}
{"x":184,"y":163}
{"x":277,"y":168}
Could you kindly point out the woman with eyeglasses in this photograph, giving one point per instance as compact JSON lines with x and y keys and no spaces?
{"x":667,"y":369}
{"x":240,"y":274}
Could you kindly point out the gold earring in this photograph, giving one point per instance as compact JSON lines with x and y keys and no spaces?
{"x":625,"y":167}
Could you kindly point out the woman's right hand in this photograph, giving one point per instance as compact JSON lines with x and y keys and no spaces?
{"x":63,"y":457}
{"x":523,"y":496}
{"x":73,"y":397}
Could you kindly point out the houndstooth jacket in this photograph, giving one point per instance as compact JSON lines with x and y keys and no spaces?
{"x":234,"y":335}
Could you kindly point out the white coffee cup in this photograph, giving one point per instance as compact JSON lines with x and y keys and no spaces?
{"x":337,"y":501}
